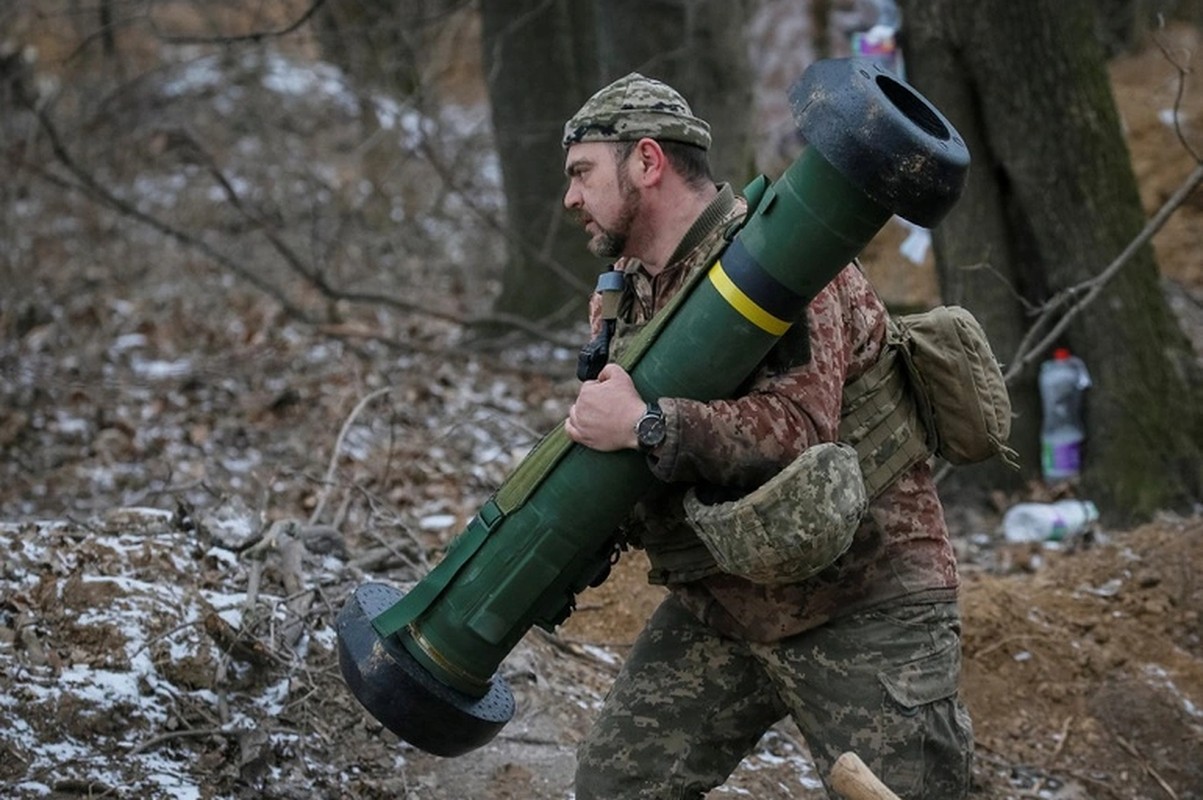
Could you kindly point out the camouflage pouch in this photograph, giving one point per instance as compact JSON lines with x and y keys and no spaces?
{"x":793,"y":526}
{"x":958,"y":384}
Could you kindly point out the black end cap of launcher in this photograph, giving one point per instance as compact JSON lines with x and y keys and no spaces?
{"x":401,"y":694}
{"x":883,"y":136}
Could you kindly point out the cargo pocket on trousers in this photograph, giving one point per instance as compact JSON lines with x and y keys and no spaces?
{"x":922,"y":746}
{"x":930,"y":732}
{"x":925,"y":680}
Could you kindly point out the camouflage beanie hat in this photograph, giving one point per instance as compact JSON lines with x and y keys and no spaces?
{"x":633,"y":107}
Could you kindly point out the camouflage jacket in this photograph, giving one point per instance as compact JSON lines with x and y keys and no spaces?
{"x":791,"y":402}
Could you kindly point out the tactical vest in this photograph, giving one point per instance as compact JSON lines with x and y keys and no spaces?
{"x":879,"y":418}
{"x":879,"y":415}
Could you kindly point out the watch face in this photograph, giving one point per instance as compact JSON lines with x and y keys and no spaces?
{"x":651,"y":430}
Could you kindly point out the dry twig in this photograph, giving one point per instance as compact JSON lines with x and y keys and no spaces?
{"x":338,"y":445}
{"x":254,"y":36}
{"x":237,"y":644}
{"x":577,"y":650}
{"x":188,"y":733}
{"x":1147,"y":767}
{"x":1064,"y":738}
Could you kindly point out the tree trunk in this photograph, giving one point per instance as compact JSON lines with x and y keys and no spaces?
{"x":1124,"y":26}
{"x":539,"y":69}
{"x":699,"y":48}
{"x":373,"y":43}
{"x":1120,"y":25}
{"x":543,"y":59}
{"x":1051,"y":201}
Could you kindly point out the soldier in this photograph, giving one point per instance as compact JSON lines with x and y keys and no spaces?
{"x":863,"y":652}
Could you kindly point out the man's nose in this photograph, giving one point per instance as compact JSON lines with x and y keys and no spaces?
{"x":572,"y":197}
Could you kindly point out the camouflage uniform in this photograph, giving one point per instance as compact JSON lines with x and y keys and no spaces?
{"x":865,"y":655}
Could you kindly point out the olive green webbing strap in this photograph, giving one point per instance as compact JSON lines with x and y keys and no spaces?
{"x":518,"y":487}
{"x":407,"y":609}
{"x":522,"y":482}
{"x":513,"y":493}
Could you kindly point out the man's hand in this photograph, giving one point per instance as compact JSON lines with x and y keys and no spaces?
{"x":605,"y":412}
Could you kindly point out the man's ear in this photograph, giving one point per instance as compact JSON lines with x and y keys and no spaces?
{"x":650,"y":162}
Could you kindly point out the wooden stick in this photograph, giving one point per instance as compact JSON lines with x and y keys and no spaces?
{"x":855,"y":781}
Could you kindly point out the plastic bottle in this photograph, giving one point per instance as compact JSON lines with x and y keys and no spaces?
{"x":1062,"y":381}
{"x":1048,"y":522}
{"x":887,"y":14}
{"x":878,"y":42}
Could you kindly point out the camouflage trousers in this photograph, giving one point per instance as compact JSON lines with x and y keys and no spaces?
{"x":689,"y":704}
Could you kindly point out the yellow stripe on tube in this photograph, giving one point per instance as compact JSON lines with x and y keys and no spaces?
{"x":744,"y":304}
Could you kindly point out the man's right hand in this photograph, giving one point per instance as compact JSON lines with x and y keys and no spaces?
{"x":605,"y":412}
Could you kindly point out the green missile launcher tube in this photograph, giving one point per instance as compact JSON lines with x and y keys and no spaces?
{"x":424,"y":663}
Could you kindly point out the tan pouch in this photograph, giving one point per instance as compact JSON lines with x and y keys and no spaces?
{"x":958,"y":384}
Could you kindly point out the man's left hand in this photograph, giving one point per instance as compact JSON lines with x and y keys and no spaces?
{"x":605,"y":412}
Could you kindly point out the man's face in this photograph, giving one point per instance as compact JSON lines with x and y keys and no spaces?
{"x":601,"y":194}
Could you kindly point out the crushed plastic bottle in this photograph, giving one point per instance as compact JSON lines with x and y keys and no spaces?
{"x":1063,"y":380}
{"x":1048,"y":522}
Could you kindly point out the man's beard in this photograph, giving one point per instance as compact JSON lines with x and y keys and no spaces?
{"x":611,"y":242}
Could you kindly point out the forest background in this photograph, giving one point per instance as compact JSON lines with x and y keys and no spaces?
{"x":260,"y":263}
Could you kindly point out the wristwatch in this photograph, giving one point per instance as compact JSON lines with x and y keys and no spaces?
{"x":651,"y":428}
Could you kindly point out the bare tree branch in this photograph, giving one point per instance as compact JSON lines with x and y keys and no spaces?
{"x":435,"y":161}
{"x":97,"y":192}
{"x":1076,"y":298}
{"x":254,"y":36}
{"x":1181,"y":91}
{"x":1027,"y":352}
